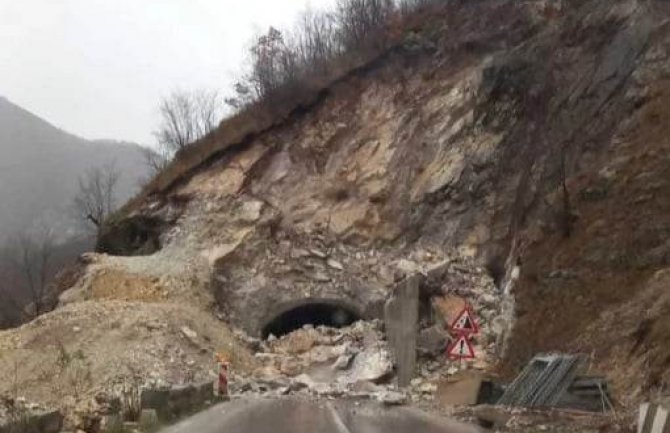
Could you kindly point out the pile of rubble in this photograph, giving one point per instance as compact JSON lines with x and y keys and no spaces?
{"x":353,"y":362}
{"x":86,"y":354}
{"x":357,"y":362}
{"x":321,"y":361}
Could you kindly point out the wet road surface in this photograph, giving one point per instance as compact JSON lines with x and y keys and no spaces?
{"x":292,"y":415}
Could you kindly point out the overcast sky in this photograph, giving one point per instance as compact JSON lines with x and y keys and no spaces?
{"x":97,"y":68}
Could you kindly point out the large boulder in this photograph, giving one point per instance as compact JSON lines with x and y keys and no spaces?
{"x":432,"y":342}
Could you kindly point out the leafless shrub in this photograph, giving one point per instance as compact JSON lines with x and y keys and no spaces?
{"x":63,"y":358}
{"x":361,"y":23}
{"x":31,"y":254}
{"x":96,"y":198}
{"x":286,"y":65}
{"x":274,"y":65}
{"x":131,"y":396}
{"x":185,"y":118}
{"x":79,"y":377}
{"x":55,"y":272}
{"x":156,"y":159}
{"x":74,"y":370}
{"x":315,"y":41}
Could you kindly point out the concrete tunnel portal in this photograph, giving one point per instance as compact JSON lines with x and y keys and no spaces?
{"x":316,"y":312}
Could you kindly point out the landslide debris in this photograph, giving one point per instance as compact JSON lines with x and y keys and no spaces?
{"x":69,"y":358}
{"x":527,"y":143}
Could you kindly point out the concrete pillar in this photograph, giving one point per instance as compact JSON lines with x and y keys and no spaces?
{"x":401,"y":317}
{"x":653,"y":418}
{"x":660,"y":424}
{"x":645,"y":409}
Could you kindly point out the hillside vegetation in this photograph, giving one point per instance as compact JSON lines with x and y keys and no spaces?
{"x":291,"y":70}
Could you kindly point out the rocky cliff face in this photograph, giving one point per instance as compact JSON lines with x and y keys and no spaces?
{"x":507,"y":132}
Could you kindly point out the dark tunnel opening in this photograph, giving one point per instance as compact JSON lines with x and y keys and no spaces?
{"x":316,"y":314}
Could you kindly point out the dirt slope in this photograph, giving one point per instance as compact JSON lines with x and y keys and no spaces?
{"x":65,"y":358}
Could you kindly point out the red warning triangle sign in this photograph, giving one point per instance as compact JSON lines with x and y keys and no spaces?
{"x":465,"y":323}
{"x":461,"y":348}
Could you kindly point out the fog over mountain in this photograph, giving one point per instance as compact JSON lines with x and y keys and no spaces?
{"x":40,"y":166}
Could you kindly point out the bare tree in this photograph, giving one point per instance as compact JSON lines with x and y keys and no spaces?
{"x":362,"y":22}
{"x":185,"y":118}
{"x":273,"y":63}
{"x":31,"y":254}
{"x":316,"y":41}
{"x":156,"y":159}
{"x":274,"y":66}
{"x":96,"y":198}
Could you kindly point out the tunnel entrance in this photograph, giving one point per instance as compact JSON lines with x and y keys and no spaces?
{"x":323,"y":313}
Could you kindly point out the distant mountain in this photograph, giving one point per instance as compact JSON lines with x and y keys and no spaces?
{"x":40,"y":166}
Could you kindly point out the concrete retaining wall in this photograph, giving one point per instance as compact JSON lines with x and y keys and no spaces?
{"x":401,"y":317}
{"x":44,"y":422}
{"x":179,"y":401}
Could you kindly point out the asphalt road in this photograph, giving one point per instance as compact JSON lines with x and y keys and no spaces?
{"x":290,"y":415}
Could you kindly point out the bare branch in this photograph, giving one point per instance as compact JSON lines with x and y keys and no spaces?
{"x":185,"y":117}
{"x":32,"y":256}
{"x":96,"y":198}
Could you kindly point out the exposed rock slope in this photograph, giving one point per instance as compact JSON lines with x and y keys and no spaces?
{"x":516,"y":133}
